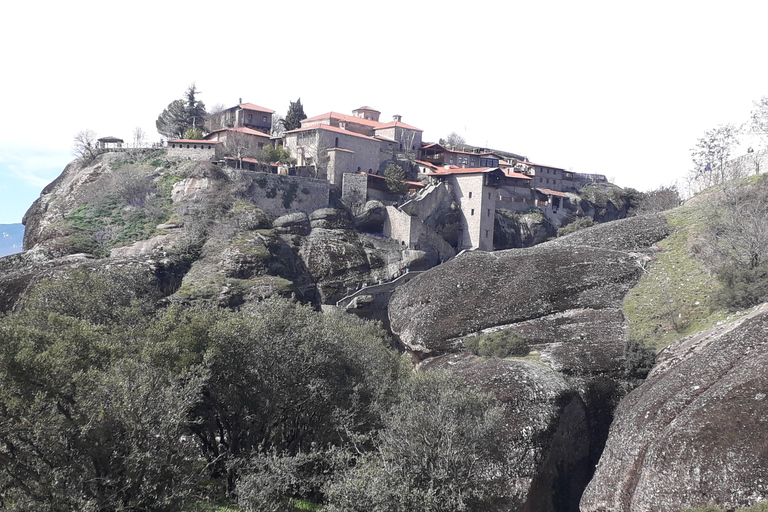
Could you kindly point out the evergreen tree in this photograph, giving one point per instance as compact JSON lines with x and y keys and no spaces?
{"x":182,"y":115}
{"x":294,"y":116}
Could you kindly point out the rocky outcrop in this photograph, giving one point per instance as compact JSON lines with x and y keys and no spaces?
{"x":514,"y":230}
{"x":694,"y":432}
{"x":547,"y":437}
{"x":371,"y":217}
{"x":557,"y":288}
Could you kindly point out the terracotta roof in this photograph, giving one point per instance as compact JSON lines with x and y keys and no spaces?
{"x":242,"y":129}
{"x":401,"y":125}
{"x":513,"y":174}
{"x":341,"y":149}
{"x":195,"y":141}
{"x":540,"y":165}
{"x":251,"y":106}
{"x":551,"y":192}
{"x":469,"y":170}
{"x":366,"y":108}
{"x":345,"y":118}
{"x":331,"y":129}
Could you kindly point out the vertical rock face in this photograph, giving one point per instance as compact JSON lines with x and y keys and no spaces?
{"x":695,"y":431}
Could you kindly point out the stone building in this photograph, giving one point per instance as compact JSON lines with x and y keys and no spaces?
{"x":245,"y":115}
{"x":476,"y":191}
{"x":335,"y":143}
{"x":189,"y":149}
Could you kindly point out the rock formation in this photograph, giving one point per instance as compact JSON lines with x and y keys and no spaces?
{"x":695,"y":431}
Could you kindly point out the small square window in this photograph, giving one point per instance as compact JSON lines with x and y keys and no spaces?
{"x":472,"y":211}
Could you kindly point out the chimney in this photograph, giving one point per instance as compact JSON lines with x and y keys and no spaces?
{"x":397,"y":118}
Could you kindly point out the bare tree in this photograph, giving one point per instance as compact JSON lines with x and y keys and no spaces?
{"x":711,"y":155}
{"x":85,"y":145}
{"x":240,"y":145}
{"x":454,"y":141}
{"x":278,"y":125}
{"x":138,"y":137}
{"x":212,"y":121}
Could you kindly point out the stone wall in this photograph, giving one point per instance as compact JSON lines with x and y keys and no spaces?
{"x":194,"y":151}
{"x":354,"y":189}
{"x":478,"y":207}
{"x":278,"y":195}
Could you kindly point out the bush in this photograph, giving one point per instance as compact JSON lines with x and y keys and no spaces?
{"x":741,"y":287}
{"x":498,"y":344}
{"x":576,"y":225}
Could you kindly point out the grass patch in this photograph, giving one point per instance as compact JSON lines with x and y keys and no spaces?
{"x":674,"y":296}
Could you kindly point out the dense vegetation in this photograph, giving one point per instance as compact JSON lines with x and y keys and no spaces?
{"x":107,"y":403}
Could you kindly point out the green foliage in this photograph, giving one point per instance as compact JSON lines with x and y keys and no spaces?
{"x":130,"y":210}
{"x":498,"y":344}
{"x":638,"y":359}
{"x":395,"y":177}
{"x":294,"y":116}
{"x":87,"y":423}
{"x":741,"y":287}
{"x":181,"y":115}
{"x":276,"y":154}
{"x":576,"y":225}
{"x":438,"y":450}
{"x":193,"y":134}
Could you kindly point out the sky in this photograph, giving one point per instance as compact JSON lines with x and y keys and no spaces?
{"x":623,"y":89}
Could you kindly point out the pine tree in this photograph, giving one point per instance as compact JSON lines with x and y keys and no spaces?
{"x":294,"y":116}
{"x":182,"y":115}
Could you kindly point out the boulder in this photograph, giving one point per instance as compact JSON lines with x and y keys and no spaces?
{"x":330,"y":218}
{"x":479,"y":290}
{"x":292,"y":224}
{"x":695,"y":431}
{"x":371,"y":218}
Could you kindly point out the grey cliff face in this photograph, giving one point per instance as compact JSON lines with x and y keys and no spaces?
{"x":695,"y":431}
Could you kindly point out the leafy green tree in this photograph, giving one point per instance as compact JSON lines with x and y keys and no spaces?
{"x":182,"y":115}
{"x":281,"y":377}
{"x":86,"y":422}
{"x":438,"y":450}
{"x":193,"y":134}
{"x":294,"y":116}
{"x":276,"y":154}
{"x":395,"y":179}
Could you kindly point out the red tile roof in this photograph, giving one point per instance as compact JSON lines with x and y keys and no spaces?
{"x":345,"y":118}
{"x":514,"y":174}
{"x":331,"y":129}
{"x":195,"y":141}
{"x":367,"y":108}
{"x":551,"y":192}
{"x":399,"y":124}
{"x":251,"y":106}
{"x":242,"y":129}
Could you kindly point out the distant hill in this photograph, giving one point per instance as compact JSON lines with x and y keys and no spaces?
{"x":11,"y":238}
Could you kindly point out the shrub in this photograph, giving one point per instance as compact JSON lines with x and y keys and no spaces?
{"x":498,"y":344}
{"x":576,"y":225}
{"x":742,"y":287}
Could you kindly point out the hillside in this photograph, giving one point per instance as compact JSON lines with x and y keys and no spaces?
{"x":529,"y":362}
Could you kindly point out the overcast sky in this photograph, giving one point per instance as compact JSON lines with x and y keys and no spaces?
{"x":617,"y":88}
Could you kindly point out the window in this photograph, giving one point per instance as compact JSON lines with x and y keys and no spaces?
{"x":263,"y":119}
{"x":486,"y":233}
{"x":472,"y":211}
{"x":250,"y":118}
{"x":489,"y":212}
{"x":489,"y":195}
{"x":470,"y":195}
